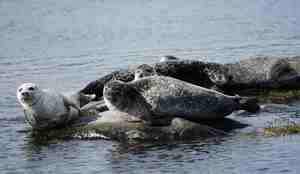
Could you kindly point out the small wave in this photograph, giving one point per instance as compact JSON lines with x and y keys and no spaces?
{"x":12,"y":119}
{"x":90,"y":136}
{"x":250,"y":46}
{"x":72,"y":64}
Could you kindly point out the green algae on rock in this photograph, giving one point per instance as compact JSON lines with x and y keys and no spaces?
{"x":282,"y":126}
{"x":118,"y":126}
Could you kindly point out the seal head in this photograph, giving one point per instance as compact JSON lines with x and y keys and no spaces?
{"x":144,"y":70}
{"x":119,"y":96}
{"x":28,"y":94}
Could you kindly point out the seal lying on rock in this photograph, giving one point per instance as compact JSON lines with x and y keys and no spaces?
{"x":156,"y":97}
{"x":195,"y":72}
{"x":47,"y":109}
{"x":261,"y":73}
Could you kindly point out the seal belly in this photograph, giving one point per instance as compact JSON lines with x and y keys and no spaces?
{"x":50,"y":108}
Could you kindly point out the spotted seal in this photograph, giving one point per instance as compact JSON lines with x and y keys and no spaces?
{"x":242,"y":77}
{"x":262,"y":73}
{"x":46,"y":108}
{"x":159,"y":96}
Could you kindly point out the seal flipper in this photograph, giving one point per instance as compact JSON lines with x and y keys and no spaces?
{"x":70,"y":103}
{"x":84,"y":99}
{"x":99,"y":106}
{"x":249,"y":104}
{"x":281,"y":69}
{"x":29,"y":117}
{"x":160,"y":121}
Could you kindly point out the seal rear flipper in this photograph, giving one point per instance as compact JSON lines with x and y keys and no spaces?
{"x":160,"y":121}
{"x":249,"y":104}
{"x":84,"y":99}
{"x":281,"y":69}
{"x":99,"y":106}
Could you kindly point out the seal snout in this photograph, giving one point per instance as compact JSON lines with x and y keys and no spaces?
{"x":25,"y":94}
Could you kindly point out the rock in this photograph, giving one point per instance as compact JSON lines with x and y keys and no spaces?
{"x":119,"y":126}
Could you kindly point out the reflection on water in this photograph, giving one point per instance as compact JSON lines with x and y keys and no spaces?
{"x":231,"y":155}
{"x":65,"y":44}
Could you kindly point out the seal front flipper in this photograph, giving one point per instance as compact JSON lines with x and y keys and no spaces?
{"x":249,"y":104}
{"x":29,"y":117}
{"x":70,"y":103}
{"x":98,"y":106}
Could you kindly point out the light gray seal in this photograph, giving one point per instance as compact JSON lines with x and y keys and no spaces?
{"x":48,"y":109}
{"x":160,"y":97}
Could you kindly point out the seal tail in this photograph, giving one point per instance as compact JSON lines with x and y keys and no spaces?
{"x":249,"y":104}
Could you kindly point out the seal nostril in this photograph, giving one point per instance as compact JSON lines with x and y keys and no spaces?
{"x":25,"y":94}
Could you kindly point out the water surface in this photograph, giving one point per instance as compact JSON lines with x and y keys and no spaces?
{"x":65,"y":44}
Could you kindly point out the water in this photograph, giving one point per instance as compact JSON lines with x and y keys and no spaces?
{"x":65,"y":44}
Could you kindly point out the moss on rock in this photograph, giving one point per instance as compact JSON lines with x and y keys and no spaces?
{"x":282,"y":126}
{"x":278,"y":96}
{"x":117,"y":126}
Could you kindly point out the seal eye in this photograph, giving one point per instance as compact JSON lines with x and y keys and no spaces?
{"x":20,"y":89}
{"x":31,"y":88}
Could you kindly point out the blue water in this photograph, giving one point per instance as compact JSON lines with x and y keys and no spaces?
{"x":65,"y":44}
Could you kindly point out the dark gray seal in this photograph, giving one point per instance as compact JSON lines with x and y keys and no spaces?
{"x":160,"y":96}
{"x":195,"y":72}
{"x":245,"y":77}
{"x":262,"y":73}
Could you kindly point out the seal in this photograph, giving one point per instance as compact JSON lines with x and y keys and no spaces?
{"x":196,"y":72}
{"x":245,"y":77}
{"x":255,"y":70}
{"x":157,"y":97}
{"x":48,"y":109}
